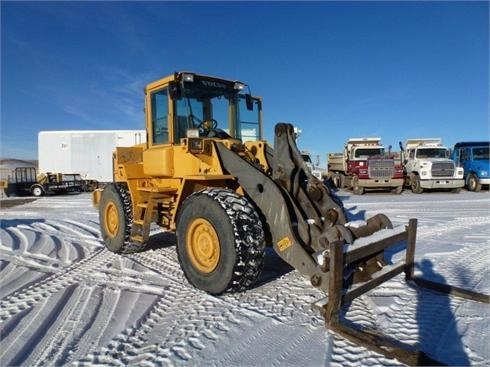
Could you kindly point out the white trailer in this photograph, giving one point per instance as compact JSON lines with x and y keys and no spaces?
{"x":87,"y":152}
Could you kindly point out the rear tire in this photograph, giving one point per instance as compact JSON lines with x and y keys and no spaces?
{"x":220,"y":241}
{"x":116,"y":219}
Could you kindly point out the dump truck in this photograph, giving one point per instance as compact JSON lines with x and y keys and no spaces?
{"x":364,"y":164}
{"x":474,"y":158}
{"x":206,"y":174}
{"x":427,"y":165}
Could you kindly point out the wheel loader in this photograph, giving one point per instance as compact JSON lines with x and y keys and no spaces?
{"x":206,"y":174}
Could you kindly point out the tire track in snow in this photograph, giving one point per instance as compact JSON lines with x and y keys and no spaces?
{"x":197,"y":314}
{"x":16,"y":240}
{"x":102,"y":314}
{"x":343,"y":352}
{"x":443,"y":227}
{"x":131,"y":346}
{"x":61,"y":340}
{"x":190,"y":312}
{"x":73,"y":237}
{"x":456,"y":271}
{"x":43,"y":289}
{"x":48,"y":248}
{"x":19,"y":344}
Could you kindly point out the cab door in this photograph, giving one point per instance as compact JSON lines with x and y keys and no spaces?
{"x":158,"y":158}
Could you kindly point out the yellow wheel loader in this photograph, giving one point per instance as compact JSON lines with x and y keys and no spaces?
{"x":206,"y":174}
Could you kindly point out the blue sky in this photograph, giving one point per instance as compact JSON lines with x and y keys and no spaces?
{"x":395,"y":70}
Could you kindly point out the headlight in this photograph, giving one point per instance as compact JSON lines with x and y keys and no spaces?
{"x":239,"y":86}
{"x":188,"y":77}
{"x":423,"y":173}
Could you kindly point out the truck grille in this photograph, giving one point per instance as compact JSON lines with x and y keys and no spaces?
{"x":442,"y":169}
{"x":381,"y":168}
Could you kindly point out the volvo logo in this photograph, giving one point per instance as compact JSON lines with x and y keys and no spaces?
{"x":209,"y":83}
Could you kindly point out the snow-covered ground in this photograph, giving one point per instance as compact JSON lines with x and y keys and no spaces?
{"x":65,"y":300}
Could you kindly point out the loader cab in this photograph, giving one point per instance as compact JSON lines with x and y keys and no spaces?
{"x":190,"y":105}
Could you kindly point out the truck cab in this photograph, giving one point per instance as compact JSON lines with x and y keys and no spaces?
{"x":428,"y":165}
{"x":312,"y":167}
{"x":473,"y":157}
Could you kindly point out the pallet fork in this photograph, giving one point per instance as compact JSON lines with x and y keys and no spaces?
{"x":340,"y":294}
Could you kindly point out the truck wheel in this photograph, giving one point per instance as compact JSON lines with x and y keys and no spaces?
{"x":341,"y":181}
{"x":415,"y":184}
{"x":220,"y":241}
{"x":356,"y":189}
{"x":116,"y":218}
{"x":473,"y":183}
{"x":338,"y":180}
{"x":37,"y":190}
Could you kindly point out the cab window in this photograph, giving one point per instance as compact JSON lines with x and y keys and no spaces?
{"x":159,"y":116}
{"x":249,"y":128}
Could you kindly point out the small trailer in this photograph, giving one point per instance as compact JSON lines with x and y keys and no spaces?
{"x":26,"y":181}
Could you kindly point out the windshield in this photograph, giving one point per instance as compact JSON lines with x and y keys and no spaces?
{"x":306,"y":157}
{"x":368,"y":152}
{"x":481,"y":153}
{"x":204,"y":108}
{"x":432,"y":153}
{"x":216,"y":110}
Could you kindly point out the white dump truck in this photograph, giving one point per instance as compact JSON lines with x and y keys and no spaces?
{"x":427,"y":166}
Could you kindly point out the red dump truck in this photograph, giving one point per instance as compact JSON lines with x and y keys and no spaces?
{"x":364,"y":164}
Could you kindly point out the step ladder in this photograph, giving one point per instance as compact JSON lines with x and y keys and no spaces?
{"x":142,"y":217}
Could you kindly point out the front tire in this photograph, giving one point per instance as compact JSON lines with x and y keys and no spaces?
{"x":220,"y":241}
{"x":473,"y":183}
{"x":116,"y":218}
{"x":356,"y":188}
{"x":415,"y":184}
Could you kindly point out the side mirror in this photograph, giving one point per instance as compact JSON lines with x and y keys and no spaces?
{"x":249,"y":102}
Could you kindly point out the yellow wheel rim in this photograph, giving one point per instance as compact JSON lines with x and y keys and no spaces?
{"x":111,"y":216}
{"x":203,"y":246}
